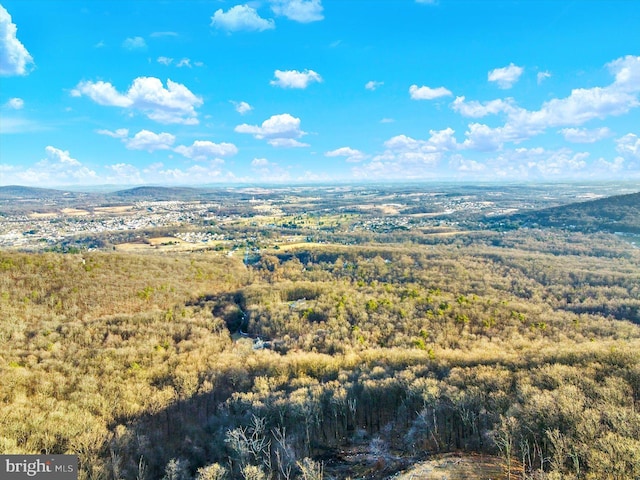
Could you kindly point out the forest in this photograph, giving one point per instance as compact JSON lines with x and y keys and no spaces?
{"x":518,"y":344}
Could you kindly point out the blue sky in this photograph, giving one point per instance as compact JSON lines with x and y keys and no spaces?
{"x":198,"y":92}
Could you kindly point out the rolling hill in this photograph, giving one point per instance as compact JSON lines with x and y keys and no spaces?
{"x":619,"y":213}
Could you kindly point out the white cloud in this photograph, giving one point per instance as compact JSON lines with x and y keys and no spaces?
{"x":540,"y":163}
{"x":124,"y":173}
{"x":475,"y":109}
{"x":561,"y":162}
{"x":241,"y":17}
{"x":61,"y":157}
{"x":205,"y":150}
{"x":174,"y":104}
{"x":387,"y":120}
{"x":103,"y":93}
{"x":406,"y":157}
{"x":627,"y":73}
{"x":629,"y":146}
{"x":242,"y":107}
{"x":578,"y":108}
{"x":483,"y":138}
{"x":165,"y":60}
{"x":184,"y":62}
{"x":542,"y":76}
{"x":149,"y":141}
{"x":352,"y":154}
{"x":612,"y":167}
{"x":15,"y":103}
{"x":582,"y":135}
{"x":427,"y":93}
{"x":120,"y":133}
{"x":259,"y":162}
{"x":581,"y":106}
{"x":373,"y":85}
{"x":56,"y":169}
{"x":505,"y":77}
{"x":279,"y":130}
{"x":268,"y":171}
{"x":465,"y":165}
{"x":286,"y":143}
{"x":303,"y":11}
{"x":295,"y":79}
{"x":14,"y":57}
{"x":196,"y":174}
{"x":134,"y":43}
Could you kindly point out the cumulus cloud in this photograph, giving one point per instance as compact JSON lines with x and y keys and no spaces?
{"x":627,"y":73}
{"x":57,"y":168}
{"x":351,"y":154}
{"x":610,"y":168}
{"x":505,"y":77}
{"x":483,"y":138}
{"x":581,"y":106}
{"x":373,"y":85}
{"x":149,"y":141}
{"x":165,"y":60}
{"x":407,"y":157}
{"x":554,"y":163}
{"x":174,"y":104}
{"x":242,"y":107}
{"x":466,"y":166}
{"x":15,"y":103}
{"x":120,"y":133}
{"x":134,"y":43}
{"x":294,"y":78}
{"x":124,"y":173}
{"x":582,"y":135}
{"x":184,"y":62}
{"x":279,"y":131}
{"x":629,"y":146}
{"x":303,"y":11}
{"x":143,"y":140}
{"x":239,"y":18}
{"x":14,"y":57}
{"x":202,"y":150}
{"x":427,"y":93}
{"x":475,"y":109}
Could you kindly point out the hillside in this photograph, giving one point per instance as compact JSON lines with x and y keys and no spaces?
{"x":159,"y":193}
{"x":620,"y":213}
{"x":380,"y":357}
{"x":18,"y":192}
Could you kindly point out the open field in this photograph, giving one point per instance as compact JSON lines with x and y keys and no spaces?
{"x":460,"y":467}
{"x":75,"y":212}
{"x":118,"y":210}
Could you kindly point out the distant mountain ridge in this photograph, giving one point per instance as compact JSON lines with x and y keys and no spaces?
{"x":18,"y":191}
{"x":619,"y":213}
{"x":159,"y":193}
